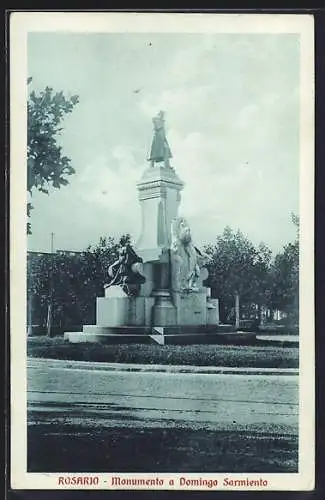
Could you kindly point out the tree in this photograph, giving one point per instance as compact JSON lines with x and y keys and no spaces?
{"x":47,"y":166}
{"x":237,"y":267}
{"x":296,"y":221}
{"x":285,"y":277}
{"x":72,"y":281}
{"x":261,"y":278}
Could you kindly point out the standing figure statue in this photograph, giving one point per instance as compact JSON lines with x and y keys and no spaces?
{"x":160,"y":150}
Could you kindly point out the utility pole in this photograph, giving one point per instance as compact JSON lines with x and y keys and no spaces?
{"x":50,"y":305}
{"x":237,"y":311}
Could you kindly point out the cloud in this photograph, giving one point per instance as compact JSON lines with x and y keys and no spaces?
{"x":231,"y":102}
{"x":110,"y":184}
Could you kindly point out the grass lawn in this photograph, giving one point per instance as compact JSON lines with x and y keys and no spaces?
{"x":259,"y":355}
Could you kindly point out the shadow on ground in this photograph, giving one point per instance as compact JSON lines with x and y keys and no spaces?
{"x":56,"y":448}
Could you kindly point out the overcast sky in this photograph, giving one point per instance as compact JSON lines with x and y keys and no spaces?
{"x":232,"y":119}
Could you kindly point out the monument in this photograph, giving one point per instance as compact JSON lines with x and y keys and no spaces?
{"x":155,"y":290}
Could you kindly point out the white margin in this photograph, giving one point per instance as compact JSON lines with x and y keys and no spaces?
{"x":23,"y":22}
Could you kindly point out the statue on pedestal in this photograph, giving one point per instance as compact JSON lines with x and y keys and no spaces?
{"x":127,"y":271}
{"x":160,"y":150}
{"x":188,"y":263}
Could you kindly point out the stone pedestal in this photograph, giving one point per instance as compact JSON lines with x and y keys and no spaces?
{"x":212,"y":311}
{"x":159,"y":196}
{"x":160,"y":301}
{"x":124,"y":311}
{"x":191,"y":308}
{"x":164,"y":311}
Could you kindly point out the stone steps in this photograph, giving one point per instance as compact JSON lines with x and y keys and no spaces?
{"x":160,"y":335}
{"x":116,"y":330}
{"x":192,"y":329}
{"x":204,"y":338}
{"x":106,"y":338}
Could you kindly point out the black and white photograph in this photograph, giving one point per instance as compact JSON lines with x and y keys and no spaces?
{"x":161,"y":251}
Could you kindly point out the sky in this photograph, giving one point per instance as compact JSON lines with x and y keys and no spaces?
{"x":232,"y":122}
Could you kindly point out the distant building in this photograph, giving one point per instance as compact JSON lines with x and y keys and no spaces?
{"x":33,"y":253}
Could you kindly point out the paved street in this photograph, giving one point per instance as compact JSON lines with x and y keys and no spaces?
{"x":87,"y":418}
{"x":100,"y":398}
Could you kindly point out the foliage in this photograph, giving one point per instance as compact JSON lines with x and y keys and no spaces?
{"x":71,"y":282}
{"x":285,"y":277}
{"x":47,"y":166}
{"x":261,"y":277}
{"x":232,"y":259}
{"x":285,"y":280}
{"x":296,"y":221}
{"x":237,"y":267}
{"x":258,"y":356}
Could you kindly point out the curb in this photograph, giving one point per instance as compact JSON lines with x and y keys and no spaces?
{"x":132,"y":367}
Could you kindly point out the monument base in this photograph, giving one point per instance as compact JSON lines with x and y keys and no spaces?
{"x":163,"y":318}
{"x":206,"y":339}
{"x":110,"y":335}
{"x":196,"y":309}
{"x":174,"y":335}
{"x":124,"y":311}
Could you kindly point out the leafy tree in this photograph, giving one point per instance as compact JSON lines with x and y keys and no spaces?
{"x":47,"y":166}
{"x":285,"y":277}
{"x":38,"y":287}
{"x":261,"y":278}
{"x":285,"y":280}
{"x":71,"y":282}
{"x":237,"y":267}
{"x":296,"y":221}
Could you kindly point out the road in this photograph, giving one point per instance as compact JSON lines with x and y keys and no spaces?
{"x":61,"y":393}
